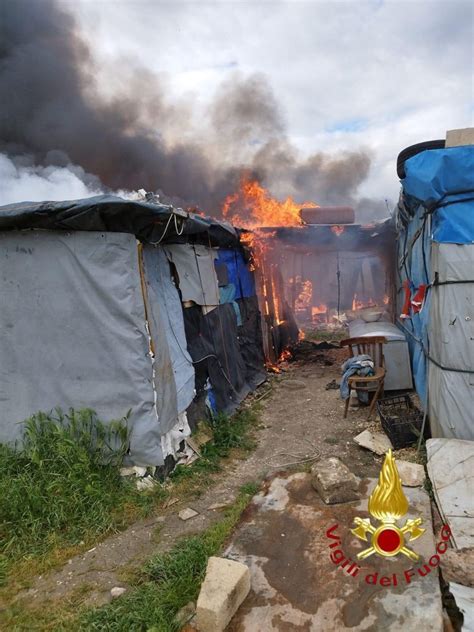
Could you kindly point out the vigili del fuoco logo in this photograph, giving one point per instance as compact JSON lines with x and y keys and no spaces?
{"x":387,"y":504}
{"x":387,"y":537}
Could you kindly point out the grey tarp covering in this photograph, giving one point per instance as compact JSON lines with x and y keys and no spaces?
{"x":451,"y":335}
{"x":174,"y":371}
{"x":196,"y":272}
{"x":73,"y":332}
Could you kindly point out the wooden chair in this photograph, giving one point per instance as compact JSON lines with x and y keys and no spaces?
{"x":373,"y":347}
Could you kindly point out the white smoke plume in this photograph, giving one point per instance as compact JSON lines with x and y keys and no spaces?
{"x":21,"y":180}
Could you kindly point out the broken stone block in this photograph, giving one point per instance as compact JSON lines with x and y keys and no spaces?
{"x":225,"y":586}
{"x":457,"y":566}
{"x":374,"y":441}
{"x":186,"y":514}
{"x":334,"y":482}
{"x":411,"y":474}
{"x":117,"y":591}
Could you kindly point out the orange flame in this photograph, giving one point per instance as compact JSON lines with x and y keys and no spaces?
{"x":337,"y":230}
{"x":252,"y":206}
{"x":284,"y":355}
{"x":303,"y":291}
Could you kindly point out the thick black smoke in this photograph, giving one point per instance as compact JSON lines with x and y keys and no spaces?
{"x":52,"y":112}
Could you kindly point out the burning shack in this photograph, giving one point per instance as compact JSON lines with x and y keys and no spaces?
{"x":323,"y":275}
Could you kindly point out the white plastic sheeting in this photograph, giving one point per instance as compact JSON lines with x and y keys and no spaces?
{"x":73,"y":333}
{"x":170,"y":442}
{"x":451,"y":336}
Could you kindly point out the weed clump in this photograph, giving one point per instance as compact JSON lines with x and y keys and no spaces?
{"x":61,"y":484}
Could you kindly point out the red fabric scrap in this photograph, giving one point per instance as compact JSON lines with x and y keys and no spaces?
{"x":419,"y":298}
{"x":407,"y":303}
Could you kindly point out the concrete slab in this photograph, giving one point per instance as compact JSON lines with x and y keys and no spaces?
{"x":464,"y":597}
{"x":296,"y":586}
{"x":451,"y":470}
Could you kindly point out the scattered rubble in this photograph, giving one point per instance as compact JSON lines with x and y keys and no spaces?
{"x":374,"y":441}
{"x":225,"y":586}
{"x":186,"y":514}
{"x":332,"y":385}
{"x":333,"y":481}
{"x":146,"y":483}
{"x":458,"y":566}
{"x":411,"y":474}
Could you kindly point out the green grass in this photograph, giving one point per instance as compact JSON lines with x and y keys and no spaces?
{"x":64,"y":492}
{"x":64,"y":486}
{"x":168,"y":582}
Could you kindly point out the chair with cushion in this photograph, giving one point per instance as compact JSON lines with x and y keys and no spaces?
{"x":373,"y":347}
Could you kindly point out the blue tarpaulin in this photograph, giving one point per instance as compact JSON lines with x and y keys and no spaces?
{"x":443,"y":179}
{"x":238,"y":272}
{"x":435,"y":221}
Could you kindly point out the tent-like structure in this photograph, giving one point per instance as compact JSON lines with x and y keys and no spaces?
{"x":120,"y":305}
{"x":435,"y":222}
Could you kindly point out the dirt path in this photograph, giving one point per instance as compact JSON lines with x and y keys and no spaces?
{"x":299,"y":417}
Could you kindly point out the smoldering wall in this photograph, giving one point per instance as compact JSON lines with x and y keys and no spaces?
{"x":53,"y":115}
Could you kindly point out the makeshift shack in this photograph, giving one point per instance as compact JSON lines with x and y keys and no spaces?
{"x":435,"y":224}
{"x":319,"y":276}
{"x":115,"y":305}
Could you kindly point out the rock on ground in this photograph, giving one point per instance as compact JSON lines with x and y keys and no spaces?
{"x":186,"y":514}
{"x":411,"y":474}
{"x":458,"y":566}
{"x":225,"y":586}
{"x":333,"y":481}
{"x":374,"y":441}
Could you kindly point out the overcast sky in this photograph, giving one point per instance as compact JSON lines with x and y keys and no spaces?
{"x":378,"y":75}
